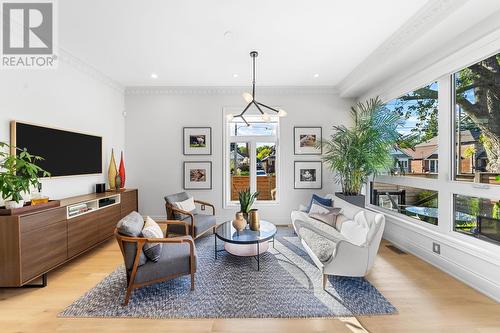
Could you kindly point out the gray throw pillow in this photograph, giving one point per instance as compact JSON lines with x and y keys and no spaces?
{"x":329,"y":217}
{"x":131,"y":225}
{"x":152,"y":230}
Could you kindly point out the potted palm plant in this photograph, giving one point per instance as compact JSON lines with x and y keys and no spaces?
{"x":18,"y":172}
{"x":354,"y":153}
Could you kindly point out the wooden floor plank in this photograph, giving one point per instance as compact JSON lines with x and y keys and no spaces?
{"x":427,"y":299}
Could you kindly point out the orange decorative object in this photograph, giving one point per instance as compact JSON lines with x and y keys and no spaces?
{"x":121,"y":171}
{"x":38,"y":201}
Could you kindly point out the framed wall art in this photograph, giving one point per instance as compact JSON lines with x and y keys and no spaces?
{"x":198,"y":175}
{"x":197,"y":140}
{"x":305,"y":140}
{"x":308,"y":174}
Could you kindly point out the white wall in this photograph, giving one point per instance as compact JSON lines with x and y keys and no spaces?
{"x":72,"y":97}
{"x":154,"y":122}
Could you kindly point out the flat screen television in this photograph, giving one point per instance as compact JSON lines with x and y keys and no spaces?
{"x":65,"y":153}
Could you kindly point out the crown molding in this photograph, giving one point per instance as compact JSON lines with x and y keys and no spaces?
{"x":432,"y":13}
{"x":66,"y":57}
{"x":204,"y":90}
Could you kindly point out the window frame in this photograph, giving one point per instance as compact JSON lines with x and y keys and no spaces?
{"x":252,"y":142}
{"x":445,"y":184}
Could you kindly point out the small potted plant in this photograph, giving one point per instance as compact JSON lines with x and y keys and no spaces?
{"x":246,"y":199}
{"x":17,"y":173}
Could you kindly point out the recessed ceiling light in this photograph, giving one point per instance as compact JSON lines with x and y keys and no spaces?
{"x":235,"y":75}
{"x":228,"y":34}
{"x":154,"y":76}
{"x":316,"y":75}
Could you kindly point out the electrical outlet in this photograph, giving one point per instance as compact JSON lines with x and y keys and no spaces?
{"x":436,"y":248}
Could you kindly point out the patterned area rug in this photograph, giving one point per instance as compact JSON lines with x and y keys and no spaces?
{"x":288,"y":285}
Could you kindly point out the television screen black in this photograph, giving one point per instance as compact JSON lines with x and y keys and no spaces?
{"x":65,"y":153}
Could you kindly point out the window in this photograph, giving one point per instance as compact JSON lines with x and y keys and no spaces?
{"x":477,"y":122}
{"x":417,"y":203}
{"x":469,"y":134}
{"x":477,"y":217}
{"x":417,"y":152}
{"x":251,"y":158}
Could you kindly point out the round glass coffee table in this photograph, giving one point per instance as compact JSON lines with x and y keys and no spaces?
{"x":246,"y":243}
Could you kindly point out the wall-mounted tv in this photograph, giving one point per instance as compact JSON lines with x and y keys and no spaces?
{"x":65,"y":153}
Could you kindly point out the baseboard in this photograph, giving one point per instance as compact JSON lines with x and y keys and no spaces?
{"x":458,"y":271}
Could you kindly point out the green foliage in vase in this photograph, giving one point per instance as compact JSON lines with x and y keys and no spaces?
{"x":247,"y":199}
{"x":18,"y":172}
{"x":354,"y":153}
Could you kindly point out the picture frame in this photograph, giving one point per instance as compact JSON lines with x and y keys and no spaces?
{"x":308,"y":175}
{"x":305,"y":139}
{"x":197,"y":175}
{"x":197,"y":140}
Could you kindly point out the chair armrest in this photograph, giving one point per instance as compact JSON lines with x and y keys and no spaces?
{"x":347,"y":254}
{"x":169,"y":222}
{"x":189,"y":214}
{"x":204,"y":203}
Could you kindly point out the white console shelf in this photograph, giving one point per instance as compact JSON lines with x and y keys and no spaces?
{"x":85,"y":207}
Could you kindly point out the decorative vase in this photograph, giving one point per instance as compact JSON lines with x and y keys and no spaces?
{"x":112,"y":171}
{"x":121,"y":171}
{"x":11,"y":204}
{"x":239,"y":223}
{"x":245,"y":216}
{"x":118,"y":182}
{"x":254,"y":219}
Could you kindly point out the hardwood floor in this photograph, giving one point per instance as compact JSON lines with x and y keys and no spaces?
{"x":428,"y":300}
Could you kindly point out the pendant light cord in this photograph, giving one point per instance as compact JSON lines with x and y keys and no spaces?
{"x":253,"y":79}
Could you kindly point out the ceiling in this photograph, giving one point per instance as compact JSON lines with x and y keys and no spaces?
{"x":207,"y":42}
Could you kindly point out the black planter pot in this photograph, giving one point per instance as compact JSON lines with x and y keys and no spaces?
{"x":358,"y":200}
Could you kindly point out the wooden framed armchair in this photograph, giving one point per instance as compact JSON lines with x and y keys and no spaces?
{"x":199,"y":223}
{"x":178,"y":257}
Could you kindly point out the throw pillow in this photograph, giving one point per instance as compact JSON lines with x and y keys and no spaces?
{"x":357,"y":230}
{"x":354,"y":232}
{"x":152,"y":230}
{"x":131,"y":225}
{"x":323,"y":201}
{"x":341,"y":218}
{"x":317,"y":207}
{"x":360,"y":219}
{"x":329,"y":217}
{"x":186,"y":205}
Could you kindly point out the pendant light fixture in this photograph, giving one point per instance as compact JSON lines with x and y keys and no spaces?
{"x":250,"y":99}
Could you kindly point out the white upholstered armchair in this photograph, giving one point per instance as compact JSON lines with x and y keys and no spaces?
{"x":345,"y":251}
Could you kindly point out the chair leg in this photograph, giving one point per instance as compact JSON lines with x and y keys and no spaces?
{"x":192,"y":281}
{"x":127,"y":296}
{"x":325,"y":279}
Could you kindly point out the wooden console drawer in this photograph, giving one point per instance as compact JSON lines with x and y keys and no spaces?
{"x":42,"y":219}
{"x":43,"y":249}
{"x":83,"y":233}
{"x":108,"y":218}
